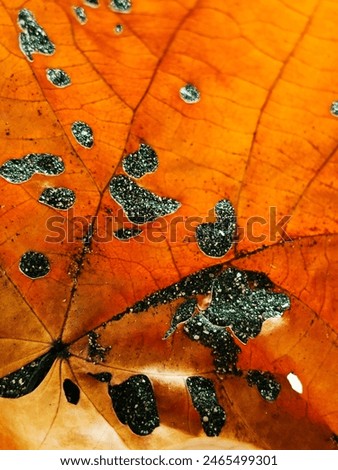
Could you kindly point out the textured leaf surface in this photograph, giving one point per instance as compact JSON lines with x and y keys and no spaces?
{"x":260,"y":136}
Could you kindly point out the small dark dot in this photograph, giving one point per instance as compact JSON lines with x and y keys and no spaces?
{"x":92,"y":3}
{"x":34,"y":264}
{"x":190,"y":94}
{"x":118,"y":29}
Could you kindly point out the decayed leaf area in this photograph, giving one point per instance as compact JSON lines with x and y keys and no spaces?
{"x":168,"y":252}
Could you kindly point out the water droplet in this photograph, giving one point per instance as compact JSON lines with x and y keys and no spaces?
{"x":190,"y":94}
{"x":58,"y":198}
{"x":34,"y":38}
{"x":80,"y":14}
{"x":121,"y":6}
{"x":83,"y":134}
{"x":58,"y":77}
{"x":34,"y":264}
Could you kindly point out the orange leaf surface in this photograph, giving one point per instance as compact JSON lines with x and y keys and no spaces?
{"x":261,"y":137}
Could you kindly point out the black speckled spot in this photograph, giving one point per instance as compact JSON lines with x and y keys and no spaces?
{"x":26,"y":379}
{"x":267,"y":385}
{"x":139,"y":163}
{"x":104,"y":377}
{"x":58,"y":198}
{"x":58,"y":77}
{"x":215,"y":239}
{"x":71,"y":391}
{"x":33,"y":39}
{"x":92,"y":3}
{"x":242,"y":302}
{"x":34,"y":264}
{"x":203,"y":395}
{"x":45,"y":163}
{"x":197,"y":283}
{"x":218,"y":339}
{"x":83,"y":134}
{"x":80,"y":14}
{"x":96,"y":352}
{"x":118,"y":29}
{"x":134,"y":404}
{"x":182,"y":314}
{"x":190,"y":94}
{"x":124,"y":234}
{"x":140,"y":205}
{"x":16,"y":171}
{"x":121,"y":6}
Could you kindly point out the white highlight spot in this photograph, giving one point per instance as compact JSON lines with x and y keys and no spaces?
{"x":295,"y":383}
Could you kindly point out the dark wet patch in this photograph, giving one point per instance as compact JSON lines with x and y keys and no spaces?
{"x":218,"y":339}
{"x":80,"y":14}
{"x":141,"y":162}
{"x":58,"y":77}
{"x":266,"y":383}
{"x":58,"y":198}
{"x":121,"y":6}
{"x":140,"y":204}
{"x":26,"y":379}
{"x":134,"y":404}
{"x":204,"y":399}
{"x":34,"y":264}
{"x":71,"y":391}
{"x":20,"y":170}
{"x":215,"y":239}
{"x":124,"y":234}
{"x":83,"y":134}
{"x":182,"y":314}
{"x":33,"y":39}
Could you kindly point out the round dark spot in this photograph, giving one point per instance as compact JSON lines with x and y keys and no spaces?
{"x":34,"y":264}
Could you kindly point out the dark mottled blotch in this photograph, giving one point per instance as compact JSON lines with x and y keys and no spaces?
{"x":20,"y":170}
{"x":242,"y":301}
{"x":58,"y":77}
{"x":96,"y":352}
{"x":26,"y":379}
{"x":83,"y":134}
{"x":140,"y":204}
{"x":134,"y":404}
{"x":204,"y":399}
{"x":190,"y":94}
{"x":182,"y":314}
{"x":266,"y":383}
{"x":215,"y":239}
{"x":58,"y":198}
{"x":71,"y":391}
{"x":124,"y":234}
{"x":34,"y":264}
{"x":121,"y":6}
{"x":141,"y":162}
{"x":80,"y":14}
{"x":33,"y":39}
{"x":218,"y":339}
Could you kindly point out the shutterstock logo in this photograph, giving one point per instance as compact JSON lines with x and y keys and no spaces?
{"x":175,"y":229}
